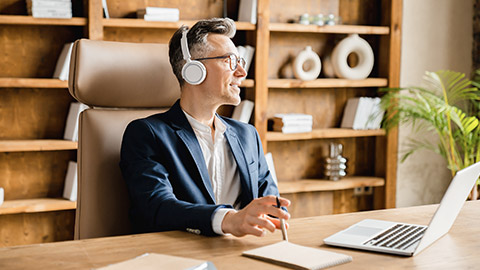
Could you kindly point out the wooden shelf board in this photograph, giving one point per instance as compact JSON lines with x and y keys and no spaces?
{"x":36,"y":205}
{"x":32,"y":83}
{"x":330,"y":29}
{"x":247,"y":83}
{"x":327,"y":83}
{"x":325,"y":133}
{"x":139,"y":23}
{"x":309,"y":185}
{"x":29,"y":20}
{"x":36,"y":145}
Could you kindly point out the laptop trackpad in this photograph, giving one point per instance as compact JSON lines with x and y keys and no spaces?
{"x":363,"y":231}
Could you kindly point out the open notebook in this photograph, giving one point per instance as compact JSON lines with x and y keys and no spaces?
{"x":160,"y":261}
{"x":297,"y":257}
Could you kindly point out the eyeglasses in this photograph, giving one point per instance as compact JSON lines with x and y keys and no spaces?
{"x":233,"y":60}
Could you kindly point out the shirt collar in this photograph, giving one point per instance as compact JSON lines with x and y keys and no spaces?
{"x":199,"y":126}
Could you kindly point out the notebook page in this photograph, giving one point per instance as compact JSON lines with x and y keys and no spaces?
{"x":297,"y":257}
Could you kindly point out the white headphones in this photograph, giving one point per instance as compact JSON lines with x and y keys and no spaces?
{"x":193,"y":72}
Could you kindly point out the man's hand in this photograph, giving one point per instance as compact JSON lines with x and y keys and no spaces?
{"x":254,"y":219}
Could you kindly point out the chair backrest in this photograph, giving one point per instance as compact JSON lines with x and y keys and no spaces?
{"x":119,"y":82}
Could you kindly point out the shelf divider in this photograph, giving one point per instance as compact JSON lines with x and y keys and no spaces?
{"x":310,"y":185}
{"x":29,"y":20}
{"x":330,"y":29}
{"x":36,"y":145}
{"x":326,"y":133}
{"x":36,"y":205}
{"x":32,"y":83}
{"x":327,"y":83}
{"x":140,"y":23}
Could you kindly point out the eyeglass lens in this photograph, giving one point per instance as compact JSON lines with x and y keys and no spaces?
{"x":234,"y":61}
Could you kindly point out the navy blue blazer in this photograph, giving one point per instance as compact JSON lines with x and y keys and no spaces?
{"x":167,"y":178}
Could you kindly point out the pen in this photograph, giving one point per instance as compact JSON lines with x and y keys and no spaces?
{"x":282,"y":224}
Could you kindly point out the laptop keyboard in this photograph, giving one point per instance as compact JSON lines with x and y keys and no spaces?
{"x":400,"y":236}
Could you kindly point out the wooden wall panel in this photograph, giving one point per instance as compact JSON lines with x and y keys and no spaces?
{"x":145,"y":35}
{"x":23,"y":229}
{"x":360,"y":12}
{"x":26,"y":59}
{"x":33,"y":113}
{"x":302,"y":159}
{"x":28,"y":175}
{"x":344,"y":201}
{"x":189,"y":10}
{"x":308,"y":204}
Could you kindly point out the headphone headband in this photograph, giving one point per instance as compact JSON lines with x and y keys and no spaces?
{"x":184,"y":46}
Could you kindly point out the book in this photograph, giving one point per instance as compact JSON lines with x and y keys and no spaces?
{"x":294,"y":129}
{"x":159,"y":14}
{"x":243,"y":111}
{"x":247,"y":11}
{"x":71,"y":182}
{"x":356,"y":113}
{"x":271,"y":166}
{"x":292,"y":116}
{"x":62,"y":68}
{"x":298,"y":257}
{"x":71,"y":126}
{"x":49,"y":8}
{"x":376,"y":115}
{"x":105,"y":9}
{"x":248,"y":56}
{"x":160,"y":261}
{"x":160,"y":18}
{"x":279,"y":122}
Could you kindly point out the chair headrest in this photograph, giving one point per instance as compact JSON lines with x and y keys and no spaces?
{"x":122,"y":75}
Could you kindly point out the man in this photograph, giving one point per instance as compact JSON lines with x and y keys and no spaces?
{"x":189,"y":168}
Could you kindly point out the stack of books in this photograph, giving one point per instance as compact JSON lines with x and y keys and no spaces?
{"x":362,"y":113}
{"x":50,"y":8}
{"x":292,"y":123}
{"x":246,"y":52}
{"x":62,"y":69}
{"x":159,"y":14}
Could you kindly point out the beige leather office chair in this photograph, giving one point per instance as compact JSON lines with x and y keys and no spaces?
{"x":120,"y":82}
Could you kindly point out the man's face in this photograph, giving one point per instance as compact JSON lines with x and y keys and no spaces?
{"x":222,"y":85}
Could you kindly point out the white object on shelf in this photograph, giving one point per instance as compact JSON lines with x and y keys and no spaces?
{"x":105,"y":9}
{"x":63,"y":63}
{"x":271,"y":166}
{"x":359,"y":46}
{"x":307,"y":59}
{"x":71,"y":182}
{"x":243,"y":111}
{"x":159,"y":14}
{"x":247,"y":11}
{"x":71,"y":126}
{"x":1,"y":195}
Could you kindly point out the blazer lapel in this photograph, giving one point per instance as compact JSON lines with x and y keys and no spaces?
{"x":187,"y":135}
{"x":239,"y":155}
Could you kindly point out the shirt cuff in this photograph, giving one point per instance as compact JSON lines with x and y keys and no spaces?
{"x":217,"y":220}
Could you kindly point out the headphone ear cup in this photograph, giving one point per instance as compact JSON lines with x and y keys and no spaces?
{"x":194,"y":72}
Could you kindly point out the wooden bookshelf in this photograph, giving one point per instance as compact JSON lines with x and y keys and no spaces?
{"x":326,"y":83}
{"x":329,"y":29}
{"x":36,"y":145}
{"x":36,"y":205}
{"x":327,"y":133}
{"x":29,"y":20}
{"x":32,"y":83}
{"x":312,"y":185}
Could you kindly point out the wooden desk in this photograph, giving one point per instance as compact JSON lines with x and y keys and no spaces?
{"x":459,"y":249}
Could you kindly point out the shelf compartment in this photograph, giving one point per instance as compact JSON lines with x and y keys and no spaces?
{"x":330,"y":29}
{"x":32,"y":83}
{"x":327,"y":83}
{"x":36,"y":205}
{"x":29,"y":20}
{"x":311,"y":185}
{"x":326,"y":133}
{"x":36,"y":145}
{"x":247,"y":83}
{"x":140,"y":23}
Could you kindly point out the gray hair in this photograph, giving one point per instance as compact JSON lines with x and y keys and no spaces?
{"x":197,"y":41}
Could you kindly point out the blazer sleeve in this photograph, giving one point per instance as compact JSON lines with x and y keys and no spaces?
{"x":154,"y":206}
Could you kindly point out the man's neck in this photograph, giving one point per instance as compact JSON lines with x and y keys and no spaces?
{"x":200,"y":111}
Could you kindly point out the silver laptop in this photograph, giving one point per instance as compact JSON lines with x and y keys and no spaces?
{"x":409,"y":239}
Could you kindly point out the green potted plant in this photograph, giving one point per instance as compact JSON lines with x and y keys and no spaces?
{"x":446,"y":105}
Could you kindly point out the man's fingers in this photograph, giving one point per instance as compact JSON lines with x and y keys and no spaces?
{"x":263,"y":222}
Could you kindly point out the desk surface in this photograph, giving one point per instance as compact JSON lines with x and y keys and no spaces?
{"x":459,"y":249}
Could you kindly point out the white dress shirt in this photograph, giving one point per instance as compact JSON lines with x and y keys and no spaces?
{"x":221,"y":166}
